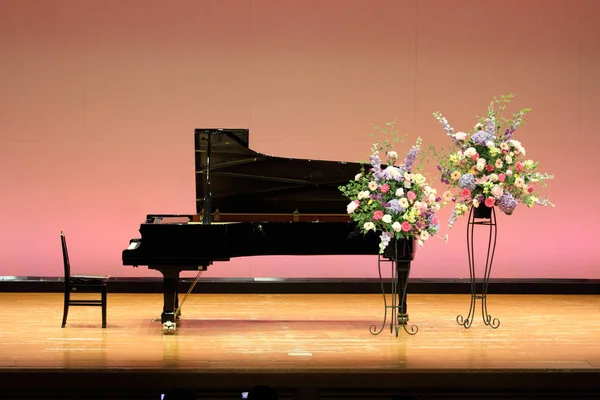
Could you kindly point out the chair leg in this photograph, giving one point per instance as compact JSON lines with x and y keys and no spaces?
{"x":103,"y":306}
{"x":65,"y":309}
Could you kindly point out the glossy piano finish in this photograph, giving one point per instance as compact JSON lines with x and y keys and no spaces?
{"x":250,"y":204}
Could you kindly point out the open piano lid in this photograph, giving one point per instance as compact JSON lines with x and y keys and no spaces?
{"x":247,"y":182}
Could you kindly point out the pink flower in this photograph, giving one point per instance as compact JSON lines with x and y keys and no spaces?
{"x":377,"y":215}
{"x":489,"y":202}
{"x":435,"y":220}
{"x":501,"y":177}
{"x":489,"y":168}
{"x":519,"y":166}
{"x":475,"y":157}
{"x":406,"y":226}
{"x":411,"y":195}
{"x":465,"y":193}
{"x":529,"y":189}
{"x":384,"y":188}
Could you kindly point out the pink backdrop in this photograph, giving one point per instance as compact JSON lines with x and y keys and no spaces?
{"x":99,"y":100}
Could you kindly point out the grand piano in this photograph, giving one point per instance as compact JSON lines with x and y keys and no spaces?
{"x":248,"y":204}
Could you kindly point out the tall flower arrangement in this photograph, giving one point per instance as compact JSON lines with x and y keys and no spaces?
{"x":488,"y":167}
{"x":393,"y":198}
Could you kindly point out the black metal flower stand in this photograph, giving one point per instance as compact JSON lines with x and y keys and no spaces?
{"x":399,"y":254}
{"x":481,"y":216}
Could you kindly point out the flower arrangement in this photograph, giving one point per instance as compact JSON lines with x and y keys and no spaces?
{"x":393,"y":198}
{"x":488,"y":167}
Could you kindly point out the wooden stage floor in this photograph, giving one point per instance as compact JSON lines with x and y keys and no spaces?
{"x":321,"y":343}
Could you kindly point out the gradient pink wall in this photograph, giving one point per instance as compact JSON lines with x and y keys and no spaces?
{"x":99,"y":100}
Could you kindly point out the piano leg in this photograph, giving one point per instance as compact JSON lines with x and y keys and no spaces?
{"x":403,"y":269}
{"x":170,"y":298}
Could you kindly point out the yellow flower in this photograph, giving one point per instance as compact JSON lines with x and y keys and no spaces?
{"x":371,"y":201}
{"x":494,"y":150}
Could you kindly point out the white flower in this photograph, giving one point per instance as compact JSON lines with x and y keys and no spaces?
{"x":517,"y":145}
{"x":392,"y":171}
{"x":519,"y":182}
{"x":470,"y":152}
{"x":499,"y":163}
{"x":480,"y":164}
{"x":460,"y":136}
{"x":353,"y":205}
{"x":392,"y":154}
{"x":478,"y":126}
{"x":387,"y":218}
{"x":431,"y":197}
{"x":369,"y":226}
{"x":504,"y":146}
{"x":424,"y":235}
{"x":420,"y":243}
{"x":497,"y":191}
{"x":403,"y":202}
{"x":357,"y":177}
{"x":399,"y":192}
{"x":493,"y":177}
{"x":407,"y":184}
{"x":508,"y":172}
{"x":490,"y":144}
{"x":396,"y":226}
{"x":363,"y":195}
{"x":373,"y":185}
{"x":508,"y":159}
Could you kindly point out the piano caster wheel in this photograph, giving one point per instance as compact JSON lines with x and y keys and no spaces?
{"x":169,"y":327}
{"x":402,"y":319}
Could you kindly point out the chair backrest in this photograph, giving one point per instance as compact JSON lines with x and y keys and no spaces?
{"x":65,"y":253}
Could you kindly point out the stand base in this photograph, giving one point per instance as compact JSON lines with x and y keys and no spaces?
{"x":400,"y":272}
{"x":482,"y":216}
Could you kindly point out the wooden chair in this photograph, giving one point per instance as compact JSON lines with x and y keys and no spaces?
{"x":82,"y":283}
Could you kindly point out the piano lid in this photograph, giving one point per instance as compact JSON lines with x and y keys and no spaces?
{"x":245,"y":181}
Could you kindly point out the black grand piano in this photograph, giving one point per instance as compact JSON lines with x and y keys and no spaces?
{"x":249,"y":204}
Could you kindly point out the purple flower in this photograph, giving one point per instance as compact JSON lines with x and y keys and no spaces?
{"x":467,"y":181}
{"x":507,"y":203}
{"x":490,"y":126}
{"x":411,"y":158}
{"x":394,"y":207}
{"x":481,"y":137}
{"x":452,"y":218}
{"x":375,"y":161}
